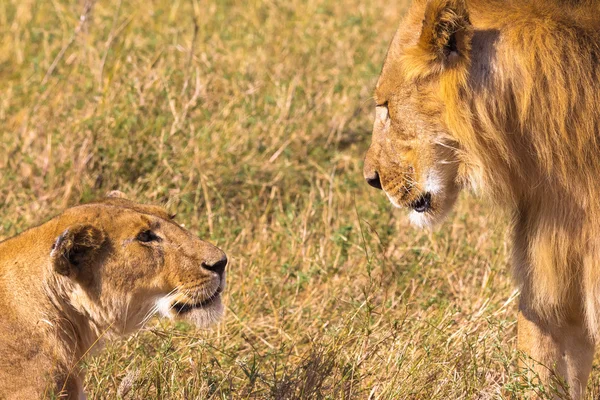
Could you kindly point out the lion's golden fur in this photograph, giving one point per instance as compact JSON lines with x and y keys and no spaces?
{"x":93,"y":272}
{"x":532,"y":134}
{"x":512,"y":88}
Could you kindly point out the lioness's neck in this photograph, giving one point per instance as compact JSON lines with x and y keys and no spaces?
{"x":27,"y":274}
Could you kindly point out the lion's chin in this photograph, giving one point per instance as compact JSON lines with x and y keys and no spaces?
{"x":430,"y":218}
{"x":422,"y":219}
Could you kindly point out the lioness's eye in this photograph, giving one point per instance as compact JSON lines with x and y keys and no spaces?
{"x":147,"y":236}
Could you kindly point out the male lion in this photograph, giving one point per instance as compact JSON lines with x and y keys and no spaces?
{"x":95,"y":271}
{"x":504,"y":97}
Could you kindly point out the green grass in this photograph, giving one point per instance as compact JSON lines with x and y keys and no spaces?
{"x":251,"y":119}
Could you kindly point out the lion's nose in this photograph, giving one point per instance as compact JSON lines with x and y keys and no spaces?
{"x":218,"y":266}
{"x":374,"y":180}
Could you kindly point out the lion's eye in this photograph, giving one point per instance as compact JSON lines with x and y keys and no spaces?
{"x":147,"y":236}
{"x":382,"y":112}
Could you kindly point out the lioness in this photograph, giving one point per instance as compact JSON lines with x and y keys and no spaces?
{"x":504,"y":97}
{"x":95,"y":271}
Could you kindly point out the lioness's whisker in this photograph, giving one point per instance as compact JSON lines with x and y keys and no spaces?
{"x":155,"y":308}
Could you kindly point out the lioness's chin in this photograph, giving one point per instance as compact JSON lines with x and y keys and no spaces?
{"x":201,"y":315}
{"x":204,"y":316}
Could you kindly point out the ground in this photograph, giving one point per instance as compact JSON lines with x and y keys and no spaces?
{"x":251,"y":120}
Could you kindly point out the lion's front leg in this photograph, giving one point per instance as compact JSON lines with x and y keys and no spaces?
{"x":558,"y":353}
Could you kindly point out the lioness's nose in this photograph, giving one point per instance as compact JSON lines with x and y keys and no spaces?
{"x":216,"y":266}
{"x":373,"y":180}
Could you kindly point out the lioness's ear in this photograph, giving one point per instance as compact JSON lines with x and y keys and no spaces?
{"x":116,"y":194}
{"x":447,"y":31}
{"x":75,"y":247}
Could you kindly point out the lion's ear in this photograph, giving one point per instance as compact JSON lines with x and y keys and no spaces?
{"x":447,"y":31}
{"x":75,"y":247}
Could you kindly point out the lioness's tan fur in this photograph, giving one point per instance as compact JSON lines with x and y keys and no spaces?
{"x":87,"y":275}
{"x":504,"y":97}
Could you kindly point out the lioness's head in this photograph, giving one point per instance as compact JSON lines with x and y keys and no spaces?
{"x":118,"y":262}
{"x":413,"y":158}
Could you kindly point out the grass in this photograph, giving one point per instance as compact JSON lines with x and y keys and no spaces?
{"x":251,"y":119}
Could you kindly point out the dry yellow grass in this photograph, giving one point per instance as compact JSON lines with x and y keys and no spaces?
{"x":251,"y":120}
